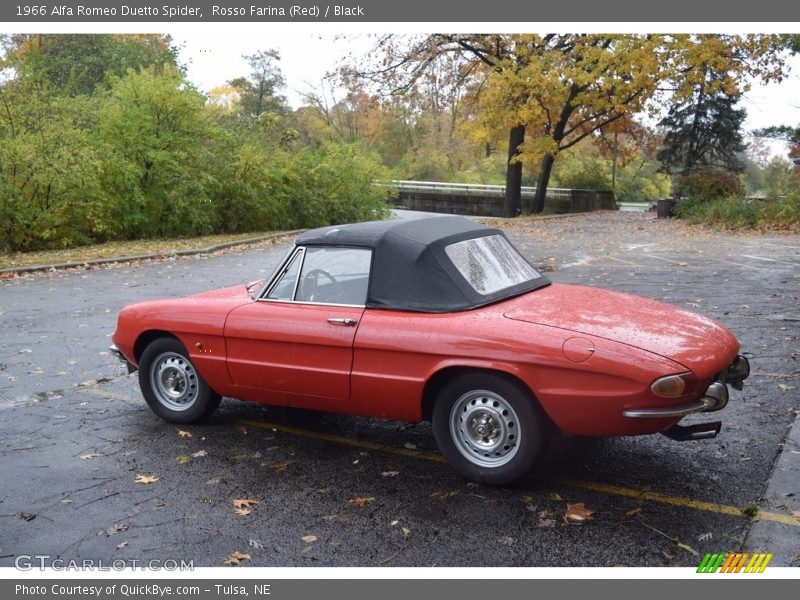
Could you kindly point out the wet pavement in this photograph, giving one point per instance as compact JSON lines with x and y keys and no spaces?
{"x":345,"y":491}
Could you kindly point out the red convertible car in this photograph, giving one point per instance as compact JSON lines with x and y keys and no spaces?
{"x":440,"y":319}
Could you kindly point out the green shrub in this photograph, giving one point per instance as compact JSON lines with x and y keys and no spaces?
{"x":738,"y":212}
{"x":710,"y":185}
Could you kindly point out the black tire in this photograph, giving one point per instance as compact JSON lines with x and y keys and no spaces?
{"x":172,"y":386}
{"x":490,"y":428}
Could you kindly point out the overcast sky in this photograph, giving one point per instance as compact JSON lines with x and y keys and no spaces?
{"x":306,"y":57}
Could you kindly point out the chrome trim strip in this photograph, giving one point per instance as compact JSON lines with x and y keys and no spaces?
{"x":299,"y":273}
{"x":310,"y":303}
{"x":668,"y":412}
{"x":116,"y":352}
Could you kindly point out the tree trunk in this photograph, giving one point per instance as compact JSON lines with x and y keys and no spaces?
{"x":541,"y":183}
{"x":614,"y":168}
{"x":513,"y":197}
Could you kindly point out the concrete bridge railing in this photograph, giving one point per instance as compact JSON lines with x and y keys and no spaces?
{"x":487,"y":200}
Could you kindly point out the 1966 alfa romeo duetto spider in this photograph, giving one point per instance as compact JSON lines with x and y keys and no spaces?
{"x":439,"y":319}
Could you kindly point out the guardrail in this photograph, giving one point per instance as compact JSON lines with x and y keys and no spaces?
{"x":473,"y":189}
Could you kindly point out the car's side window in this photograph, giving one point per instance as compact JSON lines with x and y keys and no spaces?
{"x":284,"y":289}
{"x":334,"y":276}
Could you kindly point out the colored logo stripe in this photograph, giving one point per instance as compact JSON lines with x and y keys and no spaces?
{"x":734,"y":562}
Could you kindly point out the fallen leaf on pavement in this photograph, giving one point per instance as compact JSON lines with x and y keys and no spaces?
{"x":243,"y":512}
{"x":182,"y":459}
{"x":121,"y":545}
{"x":390,"y":473}
{"x":245,"y":503}
{"x":234,"y":559}
{"x":577,"y":513}
{"x":184,"y":434}
{"x":27,"y":516}
{"x":359,"y":502}
{"x":145,"y":479}
{"x":309,"y":539}
{"x":199,"y":454}
{"x":279,"y":467}
{"x":785,"y":387}
{"x":119,"y":527}
{"x":258,"y":545}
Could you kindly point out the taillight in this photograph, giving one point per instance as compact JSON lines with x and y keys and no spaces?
{"x":670,"y":386}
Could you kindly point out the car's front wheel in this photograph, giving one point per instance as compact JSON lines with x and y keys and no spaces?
{"x":171,"y":385}
{"x":490,"y":428}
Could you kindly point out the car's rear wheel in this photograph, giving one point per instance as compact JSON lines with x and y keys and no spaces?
{"x":171,"y":384}
{"x":490,"y":428}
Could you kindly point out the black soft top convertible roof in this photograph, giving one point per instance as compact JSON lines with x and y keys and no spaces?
{"x":410,"y":269}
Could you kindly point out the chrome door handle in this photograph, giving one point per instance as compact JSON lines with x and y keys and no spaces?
{"x":342,"y":321}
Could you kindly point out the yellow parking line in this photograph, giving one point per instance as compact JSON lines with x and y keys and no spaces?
{"x":680,"y":263}
{"x":337,"y":439}
{"x":623,"y":261}
{"x":604,"y":488}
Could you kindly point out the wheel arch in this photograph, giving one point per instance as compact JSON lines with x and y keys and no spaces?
{"x":439,"y":379}
{"x":146,"y":338}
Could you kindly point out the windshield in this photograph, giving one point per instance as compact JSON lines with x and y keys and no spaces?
{"x":490,"y":264}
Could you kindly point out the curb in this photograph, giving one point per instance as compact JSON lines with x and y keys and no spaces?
{"x":782,"y":495}
{"x":125,"y":259}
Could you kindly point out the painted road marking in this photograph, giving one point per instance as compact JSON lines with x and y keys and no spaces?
{"x":604,"y":488}
{"x":623,"y":261}
{"x":775,"y":260}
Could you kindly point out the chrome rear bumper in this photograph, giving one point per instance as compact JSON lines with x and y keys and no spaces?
{"x":715,"y":398}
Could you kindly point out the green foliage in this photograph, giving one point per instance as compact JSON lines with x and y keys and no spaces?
{"x":75,"y":64}
{"x":636,"y":181}
{"x":145,"y":157}
{"x":259,"y":93}
{"x":738,"y":212}
{"x":710,"y":185}
{"x":582,"y":171}
{"x":50,"y":174}
{"x":640,"y":181}
{"x":156,"y":129}
{"x":778,"y":178}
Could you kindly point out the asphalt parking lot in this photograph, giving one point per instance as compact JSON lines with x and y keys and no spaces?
{"x":343,"y":491}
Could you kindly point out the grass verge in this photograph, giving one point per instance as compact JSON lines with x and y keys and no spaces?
{"x":112,"y":250}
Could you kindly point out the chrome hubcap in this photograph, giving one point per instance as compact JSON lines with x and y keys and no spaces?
{"x":174,"y":381}
{"x":485,"y":428}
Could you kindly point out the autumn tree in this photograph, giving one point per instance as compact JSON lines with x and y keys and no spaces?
{"x":549,"y":92}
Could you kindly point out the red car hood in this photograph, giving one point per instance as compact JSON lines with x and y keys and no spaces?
{"x":694,"y":341}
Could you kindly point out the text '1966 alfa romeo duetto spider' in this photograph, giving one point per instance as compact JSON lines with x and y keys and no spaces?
{"x":441,"y":319}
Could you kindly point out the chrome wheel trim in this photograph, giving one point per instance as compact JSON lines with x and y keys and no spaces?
{"x":174,"y":381}
{"x":485,"y":428}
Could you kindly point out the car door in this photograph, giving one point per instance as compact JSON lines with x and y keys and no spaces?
{"x":297,"y":338}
